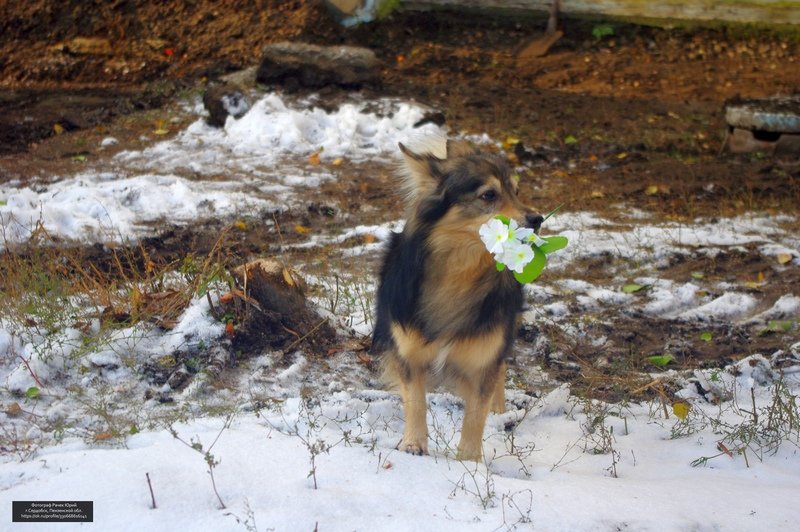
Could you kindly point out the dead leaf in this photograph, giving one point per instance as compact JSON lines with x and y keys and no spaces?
{"x":314,"y":159}
{"x":784,"y":258}
{"x":369,"y":238}
{"x":721,"y":446}
{"x":510,"y":142}
{"x":229,"y":330}
{"x":652,"y":190}
{"x":227,"y":298}
{"x":338,"y":161}
{"x":681,"y":409}
{"x":58,"y":129}
{"x":301,"y":229}
{"x":597,"y":194}
{"x":287,"y":276}
{"x":107,"y":435}
{"x":13,"y":410}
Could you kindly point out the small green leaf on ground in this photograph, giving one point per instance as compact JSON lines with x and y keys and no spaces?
{"x":780,"y":325}
{"x":79,"y":158}
{"x":633,"y":287}
{"x":697,"y":275}
{"x":32,"y":392}
{"x":569,"y":139}
{"x":706,"y":336}
{"x":660,"y":360}
{"x":602,"y":30}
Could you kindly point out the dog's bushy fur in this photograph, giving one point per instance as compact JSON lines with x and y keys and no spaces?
{"x":444,"y":312}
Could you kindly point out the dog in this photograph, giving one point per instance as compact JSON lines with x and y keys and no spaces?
{"x":444,"y":313}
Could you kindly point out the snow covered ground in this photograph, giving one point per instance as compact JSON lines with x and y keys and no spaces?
{"x":554,"y":461}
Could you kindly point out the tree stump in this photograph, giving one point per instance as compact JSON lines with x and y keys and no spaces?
{"x":276,"y":315}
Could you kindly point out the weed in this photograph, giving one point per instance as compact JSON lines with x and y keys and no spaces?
{"x":211,"y":461}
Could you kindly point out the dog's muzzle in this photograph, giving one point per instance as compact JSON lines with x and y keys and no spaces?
{"x":534,"y":221}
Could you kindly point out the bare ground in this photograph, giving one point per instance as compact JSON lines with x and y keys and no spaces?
{"x":634,"y":120}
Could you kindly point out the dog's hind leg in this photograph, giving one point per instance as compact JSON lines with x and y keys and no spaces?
{"x":499,"y":394}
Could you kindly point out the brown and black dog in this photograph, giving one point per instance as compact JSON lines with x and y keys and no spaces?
{"x":444,"y":312}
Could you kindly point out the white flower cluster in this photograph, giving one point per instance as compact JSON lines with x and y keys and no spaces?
{"x":509,"y":243}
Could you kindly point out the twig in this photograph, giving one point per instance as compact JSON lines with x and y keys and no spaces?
{"x":30,"y":370}
{"x":149,"y":485}
{"x":309,"y":333}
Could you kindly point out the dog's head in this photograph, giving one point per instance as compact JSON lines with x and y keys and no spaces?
{"x":461,"y":189}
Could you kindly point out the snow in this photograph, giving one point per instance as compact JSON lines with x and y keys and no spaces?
{"x":554,"y":461}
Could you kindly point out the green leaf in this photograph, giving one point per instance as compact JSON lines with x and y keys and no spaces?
{"x":697,"y":275}
{"x":660,"y":360}
{"x":551,"y":213}
{"x":706,"y":336}
{"x":602,"y":30}
{"x":569,"y":139}
{"x":3,"y":203}
{"x":534,"y":267}
{"x":780,"y":325}
{"x":505,"y":219}
{"x":500,"y":266}
{"x":633,"y":287}
{"x":79,"y":158}
{"x":32,"y":392}
{"x":554,"y":243}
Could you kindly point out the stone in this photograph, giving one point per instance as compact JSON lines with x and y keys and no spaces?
{"x":779,"y":114}
{"x":89,"y":46}
{"x":223,"y":100}
{"x":296,"y":64}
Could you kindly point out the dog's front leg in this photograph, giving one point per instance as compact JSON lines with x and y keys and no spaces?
{"x":412,"y":390}
{"x":477,"y":394}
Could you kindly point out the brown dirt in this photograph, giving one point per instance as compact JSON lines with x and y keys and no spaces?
{"x":634,"y":119}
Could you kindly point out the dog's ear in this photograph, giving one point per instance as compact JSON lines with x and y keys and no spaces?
{"x":460,"y":148}
{"x":421,"y":174}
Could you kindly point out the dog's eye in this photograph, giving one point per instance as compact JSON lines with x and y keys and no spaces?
{"x":489,"y":195}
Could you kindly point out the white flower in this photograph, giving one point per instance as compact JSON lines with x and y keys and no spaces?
{"x":516,"y":255}
{"x":494,"y":235}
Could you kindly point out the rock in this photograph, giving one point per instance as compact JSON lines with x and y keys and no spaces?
{"x":744,"y":141}
{"x":223,"y":100}
{"x":245,"y":78}
{"x":780,"y":114}
{"x":88,"y":46}
{"x":307,"y":65}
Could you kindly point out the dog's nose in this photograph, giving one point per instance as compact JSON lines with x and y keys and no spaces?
{"x":534,"y":221}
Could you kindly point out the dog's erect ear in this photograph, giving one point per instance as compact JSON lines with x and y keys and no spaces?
{"x":421,"y":175}
{"x":460,"y":148}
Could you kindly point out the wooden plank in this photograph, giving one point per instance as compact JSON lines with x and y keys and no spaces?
{"x":761,"y":11}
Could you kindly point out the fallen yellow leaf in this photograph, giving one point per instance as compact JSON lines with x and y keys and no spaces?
{"x":510,"y":142}
{"x":652,"y":190}
{"x":337,"y":161}
{"x":240,"y":225}
{"x":301,"y":229}
{"x":107,"y":435}
{"x":681,"y":409}
{"x":784,"y":258}
{"x":314,"y":159}
{"x":58,"y":128}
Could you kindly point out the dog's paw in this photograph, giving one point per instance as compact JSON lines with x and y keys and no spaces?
{"x":412,"y":448}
